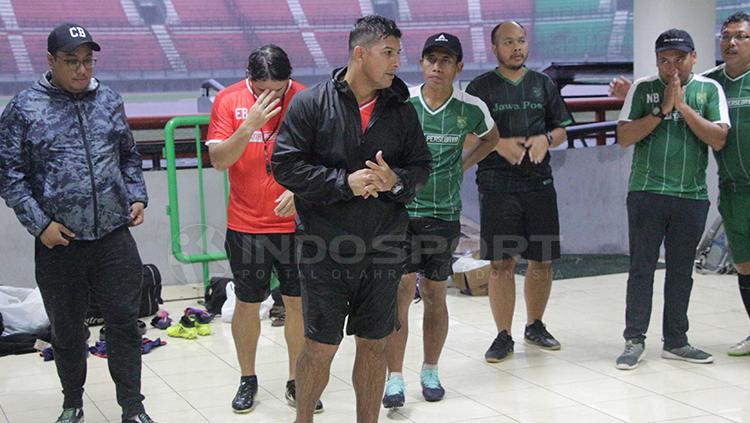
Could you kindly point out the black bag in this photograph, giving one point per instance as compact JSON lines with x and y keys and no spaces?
{"x":150,"y":291}
{"x":216,"y":294}
{"x":150,"y":297}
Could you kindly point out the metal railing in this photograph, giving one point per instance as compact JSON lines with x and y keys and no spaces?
{"x":173,"y":205}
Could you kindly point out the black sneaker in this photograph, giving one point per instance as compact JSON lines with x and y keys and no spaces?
{"x":71,"y":415}
{"x":244,"y":400}
{"x":140,"y":418}
{"x":291,"y":397}
{"x":537,"y":334}
{"x":501,"y":347}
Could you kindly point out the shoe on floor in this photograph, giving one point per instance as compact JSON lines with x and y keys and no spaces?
{"x":632,"y":355}
{"x":536,"y":334}
{"x":432,"y":390}
{"x":185,"y":329}
{"x":291,"y":397}
{"x":202,"y":329}
{"x":244,"y":399}
{"x":71,"y":415}
{"x":741,"y":348}
{"x":501,"y":347}
{"x":394,"y":393}
{"x":140,"y":418}
{"x":688,"y":353}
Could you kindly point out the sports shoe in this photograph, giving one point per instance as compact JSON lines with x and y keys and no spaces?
{"x":631,"y":356}
{"x":277,"y":315}
{"x":432,"y":390}
{"x":536,"y":334}
{"x":394,"y":393}
{"x":501,"y":347}
{"x":71,"y":415}
{"x":244,"y":399}
{"x":185,"y":329}
{"x":291,"y":397}
{"x":161,"y":320}
{"x":688,"y":353}
{"x":741,"y":348}
{"x":140,"y":418}
{"x":203,"y":329}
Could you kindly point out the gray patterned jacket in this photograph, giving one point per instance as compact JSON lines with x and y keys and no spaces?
{"x":71,"y":159}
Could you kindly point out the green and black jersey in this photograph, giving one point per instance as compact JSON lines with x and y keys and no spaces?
{"x":445,"y":130}
{"x":526,"y":107}
{"x":671,"y":160}
{"x":734,"y":158}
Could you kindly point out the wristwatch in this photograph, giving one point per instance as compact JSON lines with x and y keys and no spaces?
{"x":397,"y":187}
{"x":656,"y":111}
{"x":550,"y":140}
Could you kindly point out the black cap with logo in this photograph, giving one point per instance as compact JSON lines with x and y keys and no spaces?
{"x":675,"y":39}
{"x":447,"y":41}
{"x":68,"y":37}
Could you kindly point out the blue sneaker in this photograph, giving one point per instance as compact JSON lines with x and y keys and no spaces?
{"x":71,"y":415}
{"x":432,"y":390}
{"x":394,"y":393}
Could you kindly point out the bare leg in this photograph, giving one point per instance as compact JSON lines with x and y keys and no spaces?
{"x":368,"y":378}
{"x":246,"y":331}
{"x":293,"y":331}
{"x":396,"y":341}
{"x":502,"y":292}
{"x":313,"y":370}
{"x":537,"y":287}
{"x":435,"y":318}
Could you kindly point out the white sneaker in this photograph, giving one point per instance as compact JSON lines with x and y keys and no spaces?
{"x":741,"y":348}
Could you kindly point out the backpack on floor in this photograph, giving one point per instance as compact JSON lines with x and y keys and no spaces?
{"x":216,"y":294}
{"x":713,"y":255}
{"x":150,"y":297}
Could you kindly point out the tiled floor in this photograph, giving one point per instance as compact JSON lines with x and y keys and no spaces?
{"x":194,"y":381}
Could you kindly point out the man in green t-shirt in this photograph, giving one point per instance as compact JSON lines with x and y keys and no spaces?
{"x":734,"y":159}
{"x":671,"y":118}
{"x":447,"y":116}
{"x":517,"y":197}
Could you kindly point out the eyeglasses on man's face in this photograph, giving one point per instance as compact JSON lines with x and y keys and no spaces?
{"x":75,"y":64}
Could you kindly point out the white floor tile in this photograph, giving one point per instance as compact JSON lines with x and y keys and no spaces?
{"x":647,"y":409}
{"x":578,"y":414}
{"x":195,"y":380}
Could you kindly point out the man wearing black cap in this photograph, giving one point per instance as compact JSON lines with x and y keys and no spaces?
{"x":70,"y":170}
{"x":518,"y":201}
{"x":447,"y":116}
{"x":671,"y":118}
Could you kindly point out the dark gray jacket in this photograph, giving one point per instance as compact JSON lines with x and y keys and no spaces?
{"x":71,"y":159}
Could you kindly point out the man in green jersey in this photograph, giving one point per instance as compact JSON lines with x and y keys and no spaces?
{"x":518,"y":202}
{"x":671,"y":118}
{"x":447,"y":115}
{"x":734,"y":159}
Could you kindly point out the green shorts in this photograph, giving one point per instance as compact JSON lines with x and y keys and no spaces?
{"x":735,"y":212}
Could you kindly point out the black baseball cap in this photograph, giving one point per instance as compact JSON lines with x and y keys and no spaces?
{"x":447,"y":41}
{"x":675,"y":39}
{"x":68,"y":37}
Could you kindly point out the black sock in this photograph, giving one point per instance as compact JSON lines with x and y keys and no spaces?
{"x":744,"y":283}
{"x":249,"y":379}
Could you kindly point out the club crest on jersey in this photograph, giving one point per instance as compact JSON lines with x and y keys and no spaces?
{"x":536,"y":93}
{"x":461,"y":122}
{"x":701,"y":98}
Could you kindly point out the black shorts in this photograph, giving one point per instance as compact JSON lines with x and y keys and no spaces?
{"x":253,"y":257}
{"x":519,"y":223}
{"x":429,"y":247}
{"x":361,"y":291}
